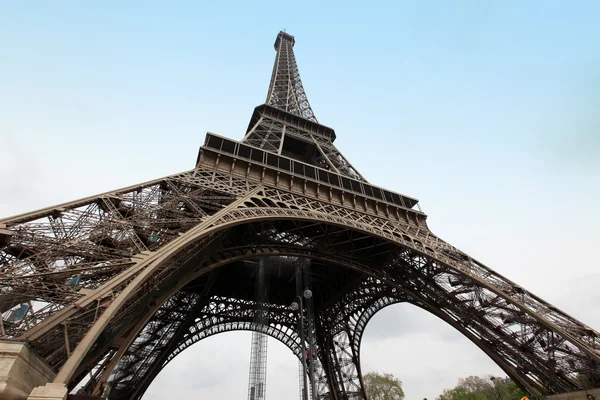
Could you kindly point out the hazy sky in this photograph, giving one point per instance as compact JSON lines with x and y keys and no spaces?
{"x":485,"y":111}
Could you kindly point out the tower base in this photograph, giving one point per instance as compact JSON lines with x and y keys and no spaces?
{"x":21,"y":371}
{"x":51,"y":391}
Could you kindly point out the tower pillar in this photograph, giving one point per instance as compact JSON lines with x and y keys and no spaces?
{"x":21,"y":370}
{"x":341,"y":369}
{"x":134,"y":276}
{"x":50,"y":391}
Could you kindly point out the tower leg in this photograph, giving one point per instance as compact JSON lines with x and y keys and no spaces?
{"x":340,"y":367}
{"x":51,"y":391}
{"x":20,"y":371}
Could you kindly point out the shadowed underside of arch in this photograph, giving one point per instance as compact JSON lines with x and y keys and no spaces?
{"x":370,"y":272}
{"x":344,"y":319}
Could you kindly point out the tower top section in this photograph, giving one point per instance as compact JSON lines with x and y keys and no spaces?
{"x":284,"y":36}
{"x":285,"y":90}
{"x":286,"y":125}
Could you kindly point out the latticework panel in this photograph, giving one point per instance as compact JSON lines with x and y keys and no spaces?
{"x":536,"y":356}
{"x":286,"y":91}
{"x":275,"y":136}
{"x":266,"y":134}
{"x":257,"y":382}
{"x":63,"y":265}
{"x":146,"y":358}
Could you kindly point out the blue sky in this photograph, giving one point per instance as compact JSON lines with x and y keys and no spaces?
{"x":485,"y":111}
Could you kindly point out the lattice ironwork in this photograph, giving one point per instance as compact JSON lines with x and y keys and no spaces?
{"x":286,"y":91}
{"x":109,"y":289}
{"x":257,"y":385}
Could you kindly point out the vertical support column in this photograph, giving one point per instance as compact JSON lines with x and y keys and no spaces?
{"x":331,"y":391}
{"x":298,"y":300}
{"x":340,"y":365}
{"x":257,"y":386}
{"x":310,"y":365}
{"x":311,"y":354}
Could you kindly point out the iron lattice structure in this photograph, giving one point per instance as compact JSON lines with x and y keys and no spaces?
{"x":257,"y":382}
{"x":109,"y":289}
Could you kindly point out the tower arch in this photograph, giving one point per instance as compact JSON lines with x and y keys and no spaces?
{"x":423,"y":281}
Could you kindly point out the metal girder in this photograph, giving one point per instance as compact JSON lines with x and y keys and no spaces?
{"x":502,"y":345}
{"x":285,"y":90}
{"x":145,"y":360}
{"x":271,"y":132}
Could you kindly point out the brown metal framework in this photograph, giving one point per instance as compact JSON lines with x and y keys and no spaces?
{"x":108,"y":289}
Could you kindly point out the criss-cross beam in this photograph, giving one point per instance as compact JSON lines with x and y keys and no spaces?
{"x":286,"y":123}
{"x":529,"y":351}
{"x":144,"y":360}
{"x":157,"y":345}
{"x":448,"y":294}
{"x":279,"y":132}
{"x":285,"y":90}
{"x":162,"y":336}
{"x":163,"y":320}
{"x":68,"y":261}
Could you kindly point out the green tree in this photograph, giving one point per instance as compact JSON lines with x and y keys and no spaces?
{"x":515,"y":392}
{"x":380,"y":386}
{"x":461,"y":393}
{"x":483,"y":388}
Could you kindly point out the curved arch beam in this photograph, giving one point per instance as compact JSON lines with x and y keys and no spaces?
{"x":289,"y":337}
{"x":290,"y":341}
{"x":388,"y":299}
{"x":257,"y":250}
{"x":233,"y":215}
{"x":216,"y":261}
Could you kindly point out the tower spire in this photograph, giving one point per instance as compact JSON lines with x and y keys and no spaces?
{"x":286,"y":124}
{"x":285,"y":90}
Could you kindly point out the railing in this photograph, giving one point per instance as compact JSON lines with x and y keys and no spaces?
{"x":258,"y":156}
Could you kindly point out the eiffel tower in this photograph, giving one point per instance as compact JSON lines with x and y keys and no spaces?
{"x":106,"y":290}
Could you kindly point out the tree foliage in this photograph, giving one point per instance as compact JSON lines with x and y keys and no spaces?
{"x":381,"y":386}
{"x":483,"y":388}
